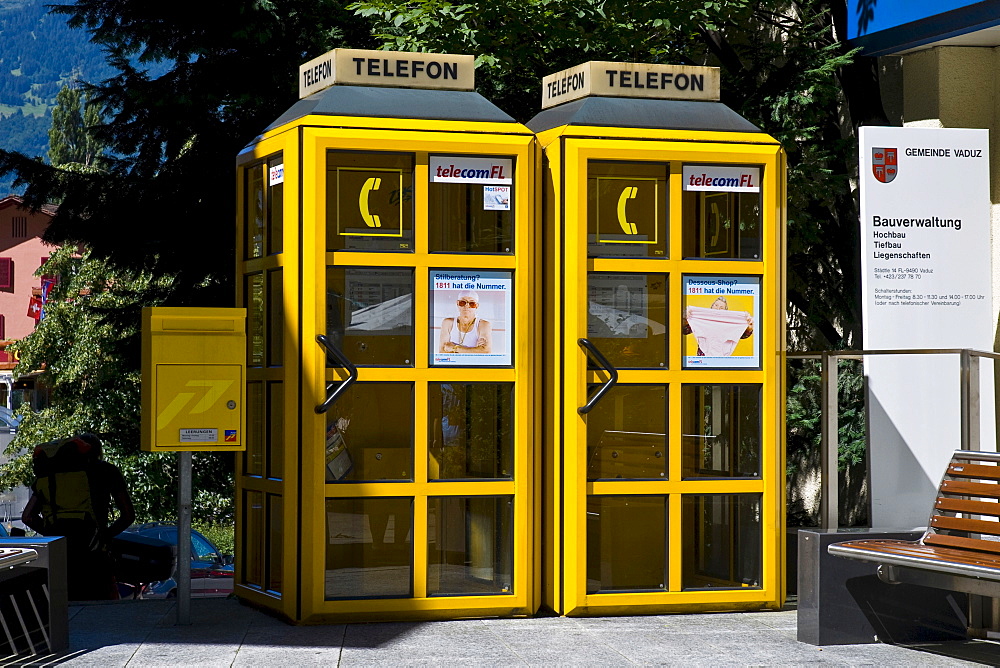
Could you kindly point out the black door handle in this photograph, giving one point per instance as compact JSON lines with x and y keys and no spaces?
{"x":590,"y":348}
{"x":334,"y":390}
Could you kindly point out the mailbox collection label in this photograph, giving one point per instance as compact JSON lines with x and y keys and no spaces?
{"x":199,"y":436}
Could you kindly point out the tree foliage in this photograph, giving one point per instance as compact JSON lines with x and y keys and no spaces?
{"x":151,"y":222}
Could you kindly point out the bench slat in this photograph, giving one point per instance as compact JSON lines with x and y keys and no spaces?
{"x":968,"y":506}
{"x":959,"y":542}
{"x":985,"y":489}
{"x":981,"y":471}
{"x":909,"y":549}
{"x":966,"y":524}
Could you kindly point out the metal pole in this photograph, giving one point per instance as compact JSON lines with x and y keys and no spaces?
{"x":969,"y":369}
{"x":829,"y":519}
{"x":184,"y":537}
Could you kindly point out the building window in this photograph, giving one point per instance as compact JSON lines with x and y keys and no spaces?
{"x":19,"y":227}
{"x":6,"y":273}
{"x":3,"y":328}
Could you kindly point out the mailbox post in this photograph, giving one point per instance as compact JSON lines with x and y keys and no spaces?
{"x":193,"y":398}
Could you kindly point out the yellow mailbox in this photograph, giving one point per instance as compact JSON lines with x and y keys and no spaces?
{"x":194,"y":379}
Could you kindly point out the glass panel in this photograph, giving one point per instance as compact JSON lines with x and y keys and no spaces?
{"x":253,"y":538}
{"x":471,"y":430}
{"x":275,"y":207}
{"x":369,"y":433}
{"x":254,"y":304}
{"x":253,"y":456}
{"x":627,"y":318}
{"x":720,"y":431}
{"x":470,"y":545}
{"x":275,"y":542}
{"x":369,"y":201}
{"x":369,"y":550}
{"x":626,"y":209}
{"x":369,"y":314}
{"x":722,"y":212}
{"x":722,"y":541}
{"x":254,"y":223}
{"x":471,"y":214}
{"x":275,"y":319}
{"x":627,"y":433}
{"x":626,"y":543}
{"x":275,"y":430}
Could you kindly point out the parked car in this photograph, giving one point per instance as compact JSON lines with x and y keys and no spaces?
{"x":8,"y":421}
{"x":211,"y":572}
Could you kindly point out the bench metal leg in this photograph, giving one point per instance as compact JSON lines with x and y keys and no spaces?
{"x":984,"y":617}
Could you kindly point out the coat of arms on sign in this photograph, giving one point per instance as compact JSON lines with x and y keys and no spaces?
{"x":885,"y":164}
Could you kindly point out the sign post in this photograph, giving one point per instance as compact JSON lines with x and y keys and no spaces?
{"x":926,"y":284}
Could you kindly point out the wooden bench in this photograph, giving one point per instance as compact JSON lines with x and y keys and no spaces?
{"x":960,"y":550}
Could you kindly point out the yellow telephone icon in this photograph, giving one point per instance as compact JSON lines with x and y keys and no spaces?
{"x":628,"y":193}
{"x":371,"y":219}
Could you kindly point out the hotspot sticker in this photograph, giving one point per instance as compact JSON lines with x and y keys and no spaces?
{"x":496,"y":198}
{"x":230,"y":436}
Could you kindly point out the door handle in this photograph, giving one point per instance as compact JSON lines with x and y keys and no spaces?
{"x":371,"y":219}
{"x":590,"y":348}
{"x":334,"y":390}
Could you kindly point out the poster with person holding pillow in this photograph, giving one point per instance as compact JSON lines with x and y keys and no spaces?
{"x":719,"y":322}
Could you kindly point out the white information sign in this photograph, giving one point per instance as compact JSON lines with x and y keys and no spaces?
{"x":471,"y":317}
{"x":926,"y":283}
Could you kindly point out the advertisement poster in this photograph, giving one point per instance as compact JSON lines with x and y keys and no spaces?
{"x":719,"y":321}
{"x":471,"y":317}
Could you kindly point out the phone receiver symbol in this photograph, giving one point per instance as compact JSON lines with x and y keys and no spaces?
{"x":629,"y":192}
{"x":371,"y":220}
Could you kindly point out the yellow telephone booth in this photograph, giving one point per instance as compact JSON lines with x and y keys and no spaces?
{"x":388,"y":262}
{"x":664,"y":223}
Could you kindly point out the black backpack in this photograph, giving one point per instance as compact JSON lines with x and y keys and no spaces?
{"x":63,"y":472}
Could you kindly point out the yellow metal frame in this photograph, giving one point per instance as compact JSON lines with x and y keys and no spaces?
{"x":567,"y":151}
{"x":285,"y":142}
{"x":305,"y":144}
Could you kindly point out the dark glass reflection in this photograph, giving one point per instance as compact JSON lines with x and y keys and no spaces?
{"x":470,"y":545}
{"x":721,"y":431}
{"x":369,"y":549}
{"x":626,"y":433}
{"x":471,"y":430}
{"x":627,"y":318}
{"x":626,"y":543}
{"x":722,"y":541}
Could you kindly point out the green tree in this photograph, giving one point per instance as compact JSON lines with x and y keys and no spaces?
{"x":152,"y":218}
{"x":72,"y":142}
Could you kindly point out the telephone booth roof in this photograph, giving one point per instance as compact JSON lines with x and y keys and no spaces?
{"x":378,"y":102}
{"x":622,"y":112}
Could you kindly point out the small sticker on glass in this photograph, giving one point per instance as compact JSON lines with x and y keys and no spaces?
{"x":496,"y":198}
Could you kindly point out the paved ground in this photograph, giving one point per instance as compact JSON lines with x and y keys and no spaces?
{"x":225,"y":633}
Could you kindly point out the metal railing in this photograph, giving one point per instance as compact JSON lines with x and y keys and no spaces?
{"x":830,"y":418}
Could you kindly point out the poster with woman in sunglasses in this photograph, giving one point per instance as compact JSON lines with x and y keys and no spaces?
{"x":470,"y":313}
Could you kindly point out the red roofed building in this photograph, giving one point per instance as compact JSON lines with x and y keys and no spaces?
{"x":22,"y":252}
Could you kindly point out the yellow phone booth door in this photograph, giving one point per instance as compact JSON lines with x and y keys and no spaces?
{"x":665,"y":331}
{"x":404,"y":321}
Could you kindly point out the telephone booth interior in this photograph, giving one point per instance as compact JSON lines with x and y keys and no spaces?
{"x":664,"y":320}
{"x":387,"y":261}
